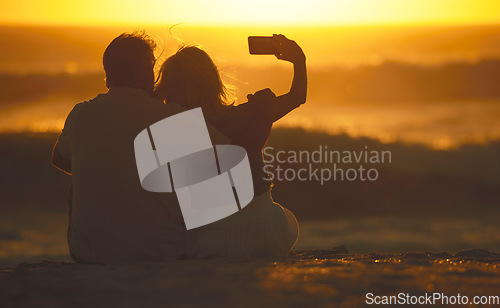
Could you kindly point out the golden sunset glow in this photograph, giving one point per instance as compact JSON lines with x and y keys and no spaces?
{"x":346,"y":42}
{"x":257,"y":12}
{"x":375,"y":122}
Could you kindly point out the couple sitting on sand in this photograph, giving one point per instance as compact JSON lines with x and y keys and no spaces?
{"x":112,"y":218}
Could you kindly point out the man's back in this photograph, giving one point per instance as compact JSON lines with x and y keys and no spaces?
{"x":113,"y":218}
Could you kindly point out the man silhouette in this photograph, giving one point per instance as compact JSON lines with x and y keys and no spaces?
{"x":112,"y":218}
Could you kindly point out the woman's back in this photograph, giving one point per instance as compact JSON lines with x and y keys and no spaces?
{"x":262,"y":228}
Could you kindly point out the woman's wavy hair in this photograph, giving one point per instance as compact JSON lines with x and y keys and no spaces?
{"x":191,"y":79}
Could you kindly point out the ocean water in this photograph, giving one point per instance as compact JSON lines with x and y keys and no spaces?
{"x":385,"y":83}
{"x":441,"y":125}
{"x":29,"y":237}
{"x":400,"y":234}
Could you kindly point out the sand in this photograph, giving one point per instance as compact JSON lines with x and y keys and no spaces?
{"x":305,"y":278}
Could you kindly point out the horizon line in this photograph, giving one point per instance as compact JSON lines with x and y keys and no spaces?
{"x":250,"y":25}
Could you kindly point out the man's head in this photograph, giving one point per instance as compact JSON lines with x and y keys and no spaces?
{"x":129,"y":61}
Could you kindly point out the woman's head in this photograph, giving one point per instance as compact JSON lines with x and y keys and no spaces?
{"x":191,"y":78}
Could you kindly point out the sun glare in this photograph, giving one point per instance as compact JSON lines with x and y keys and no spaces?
{"x":255,"y":13}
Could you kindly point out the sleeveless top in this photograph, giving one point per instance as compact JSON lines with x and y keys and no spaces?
{"x":249,"y":128}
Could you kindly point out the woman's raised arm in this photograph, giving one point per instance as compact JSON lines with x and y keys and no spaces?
{"x":290,"y":51}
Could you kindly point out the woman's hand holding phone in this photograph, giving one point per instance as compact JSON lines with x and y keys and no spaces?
{"x":287,"y":50}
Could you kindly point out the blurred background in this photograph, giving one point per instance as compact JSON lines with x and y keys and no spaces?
{"x":417,"y":78}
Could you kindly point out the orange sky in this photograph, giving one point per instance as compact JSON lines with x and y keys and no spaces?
{"x":215,"y":23}
{"x":255,"y":12}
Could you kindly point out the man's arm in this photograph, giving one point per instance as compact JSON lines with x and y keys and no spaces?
{"x":61,"y":154}
{"x":59,"y":161}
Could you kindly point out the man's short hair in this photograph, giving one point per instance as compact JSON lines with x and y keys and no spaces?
{"x":127,"y":57}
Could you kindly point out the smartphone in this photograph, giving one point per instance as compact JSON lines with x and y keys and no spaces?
{"x":261,"y":45}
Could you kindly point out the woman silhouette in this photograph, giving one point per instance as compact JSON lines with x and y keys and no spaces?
{"x":262,"y":228}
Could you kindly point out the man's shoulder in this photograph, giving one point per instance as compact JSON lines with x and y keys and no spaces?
{"x":150,"y":108}
{"x":89,"y":102}
{"x":103,"y":99}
